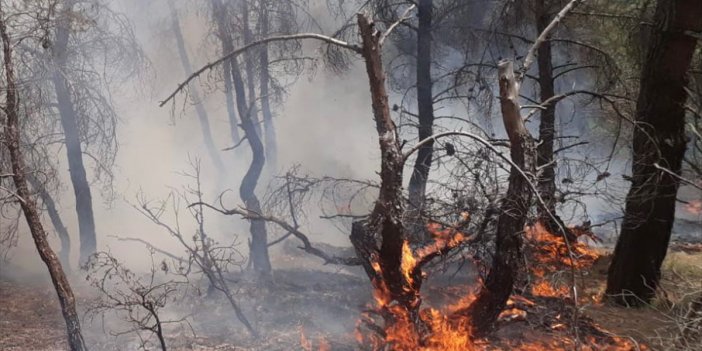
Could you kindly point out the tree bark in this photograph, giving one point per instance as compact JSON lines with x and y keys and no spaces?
{"x":269,"y":127}
{"x":247,"y":190}
{"x":498,"y":286}
{"x":202,"y":116}
{"x":69,"y":122}
{"x":385,"y":220}
{"x":29,"y":206}
{"x":219,"y":15}
{"x":547,"y":182}
{"x":61,"y":230}
{"x":659,"y":140}
{"x":249,"y":67}
{"x":425,"y":106}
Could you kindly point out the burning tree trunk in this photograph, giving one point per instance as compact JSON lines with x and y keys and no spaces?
{"x":269,"y":128}
{"x":425,"y":106}
{"x":61,"y":230}
{"x":28,"y":204}
{"x":199,"y":108}
{"x":69,"y":122}
{"x":659,"y":146}
{"x":219,"y":13}
{"x":385,"y":219}
{"x":513,"y":211}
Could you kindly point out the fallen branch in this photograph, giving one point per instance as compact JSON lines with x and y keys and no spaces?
{"x":307,"y":245}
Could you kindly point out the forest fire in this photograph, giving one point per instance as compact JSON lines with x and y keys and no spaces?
{"x":550,"y":254}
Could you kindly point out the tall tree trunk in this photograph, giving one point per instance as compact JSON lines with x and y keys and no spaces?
{"x":29,"y":206}
{"x":513,"y":211}
{"x":545,"y":159}
{"x":61,"y":230}
{"x":385,"y":221}
{"x":69,"y":122}
{"x":269,"y":127}
{"x":219,"y":14}
{"x":425,"y":106}
{"x":199,"y":107}
{"x":247,"y":190}
{"x":659,"y":140}
{"x":249,"y":67}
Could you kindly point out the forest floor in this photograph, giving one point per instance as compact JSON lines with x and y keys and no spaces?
{"x":318,"y":309}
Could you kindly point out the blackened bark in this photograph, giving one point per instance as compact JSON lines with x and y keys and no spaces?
{"x":249,"y":67}
{"x":385,"y":221}
{"x":29,"y":206}
{"x":659,"y":139}
{"x":65,"y":253}
{"x":425,"y":106}
{"x":219,"y":15}
{"x":247,"y":189}
{"x":504,"y":271}
{"x":547,"y":183}
{"x":269,"y":127}
{"x":202,"y":116}
{"x":69,"y":122}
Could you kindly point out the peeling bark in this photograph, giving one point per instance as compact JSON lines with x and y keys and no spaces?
{"x":504,"y":271}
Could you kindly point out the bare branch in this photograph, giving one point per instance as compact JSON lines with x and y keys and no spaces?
{"x":239,"y":51}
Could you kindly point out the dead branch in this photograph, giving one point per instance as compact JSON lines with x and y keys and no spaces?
{"x":239,"y":51}
{"x":307,"y":245}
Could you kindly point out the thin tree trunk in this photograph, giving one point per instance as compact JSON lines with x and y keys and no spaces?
{"x":545,"y":158}
{"x":249,"y":67}
{"x":425,"y":106}
{"x":69,"y":122}
{"x":513,"y":211}
{"x":269,"y":127}
{"x":29,"y":206}
{"x":547,"y":183}
{"x":61,"y":230}
{"x":247,"y":189}
{"x":199,"y":107}
{"x":659,"y":140}
{"x":219,"y":15}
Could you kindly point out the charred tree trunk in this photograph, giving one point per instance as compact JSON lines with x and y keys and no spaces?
{"x":29,"y":206}
{"x":249,"y":67}
{"x":545,"y":159}
{"x":269,"y":127}
{"x":199,"y":107}
{"x":61,"y":230}
{"x":385,"y":221}
{"x":513,"y":211}
{"x":425,"y":106}
{"x":659,"y":141}
{"x":247,"y":190}
{"x":219,"y":15}
{"x":69,"y":122}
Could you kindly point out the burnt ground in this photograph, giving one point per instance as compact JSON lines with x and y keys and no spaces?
{"x":322,"y":303}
